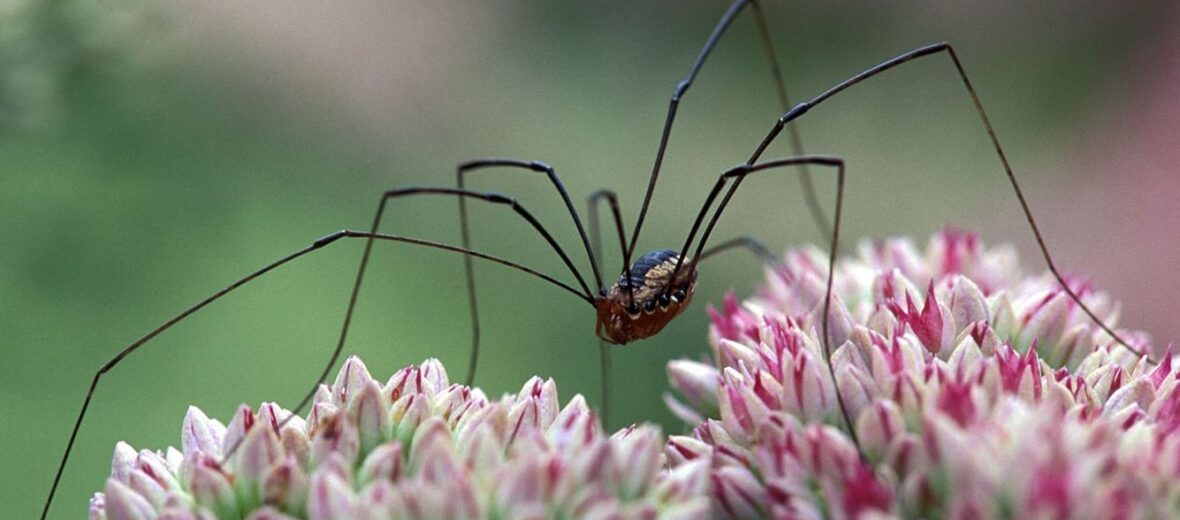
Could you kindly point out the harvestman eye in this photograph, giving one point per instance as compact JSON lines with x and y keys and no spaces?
{"x":626,"y":308}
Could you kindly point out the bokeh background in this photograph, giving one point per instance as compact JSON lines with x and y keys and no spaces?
{"x":151,"y":153}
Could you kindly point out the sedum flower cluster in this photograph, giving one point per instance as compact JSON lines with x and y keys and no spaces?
{"x":971,"y":391}
{"x":974,"y":391}
{"x":413,"y":447}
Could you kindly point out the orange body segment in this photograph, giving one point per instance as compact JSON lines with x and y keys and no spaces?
{"x":658,"y":293}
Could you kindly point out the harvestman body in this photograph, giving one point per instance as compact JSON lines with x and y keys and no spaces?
{"x":658,"y":286}
{"x":645,"y":299}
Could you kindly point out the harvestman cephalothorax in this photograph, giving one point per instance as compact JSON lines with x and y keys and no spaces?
{"x":659,"y":285}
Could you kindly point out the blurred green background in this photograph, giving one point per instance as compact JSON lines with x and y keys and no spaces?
{"x":153,"y":154}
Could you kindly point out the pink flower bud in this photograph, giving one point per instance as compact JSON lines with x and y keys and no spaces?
{"x":682,"y":449}
{"x":320,"y":414}
{"x":856,"y":386}
{"x":329,"y":498}
{"x":383,"y":463}
{"x":272,"y":415}
{"x":520,"y":456}
{"x":406,"y":414}
{"x":827,"y":451}
{"x":286,"y":486}
{"x":840,"y":322}
{"x":932,"y":325}
{"x":738,"y":493}
{"x":967,"y":303}
{"x":736,"y":354}
{"x":956,"y":400}
{"x":148,"y":488}
{"x":158,"y":469}
{"x":353,"y":376}
{"x":696,"y":382}
{"x":456,"y":403}
{"x":242,"y":422}
{"x":380,"y":499}
{"x":336,"y":436}
{"x":201,"y":434}
{"x":741,"y":410}
{"x":1020,"y":375}
{"x":432,"y":451}
{"x":434,"y":376}
{"x":863,"y":494}
{"x":259,"y":452}
{"x":544,"y":393}
{"x":98,"y":507}
{"x":123,"y":503}
{"x":575,"y":427}
{"x":1045,"y":320}
{"x":966,"y":358}
{"x":370,"y":412}
{"x":685,"y":481}
{"x":296,"y":444}
{"x":638,"y":452}
{"x":123,"y":461}
{"x":897,"y":255}
{"x":1138,"y":393}
{"x":878,"y":425}
{"x":807,"y":389}
{"x":211,"y":488}
{"x":892,"y":288}
{"x":732,"y":322}
{"x":1163,"y":370}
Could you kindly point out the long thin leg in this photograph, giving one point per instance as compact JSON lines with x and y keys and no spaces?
{"x":604,"y":362}
{"x":802,"y":108}
{"x":746,"y":242}
{"x":360,"y":275}
{"x":465,"y":233}
{"x":739,"y":172}
{"x":674,"y":104}
{"x":612,"y":200}
{"x":805,"y":181}
{"x":551,"y":174}
{"x":317,"y":245}
{"x":493,"y":198}
{"x":734,"y":174}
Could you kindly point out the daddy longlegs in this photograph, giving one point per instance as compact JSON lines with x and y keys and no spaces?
{"x":659,"y":285}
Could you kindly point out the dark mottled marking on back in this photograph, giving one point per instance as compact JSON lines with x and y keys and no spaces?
{"x":645,"y":263}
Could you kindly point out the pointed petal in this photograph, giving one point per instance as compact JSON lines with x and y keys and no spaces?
{"x":353,"y":376}
{"x":330,"y":498}
{"x":199,"y":433}
{"x":123,"y":503}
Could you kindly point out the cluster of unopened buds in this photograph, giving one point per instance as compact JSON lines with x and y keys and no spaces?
{"x":414,"y":447}
{"x":972,"y":391}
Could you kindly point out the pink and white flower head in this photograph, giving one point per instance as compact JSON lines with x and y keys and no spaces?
{"x":414,"y":447}
{"x":974,"y":391}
